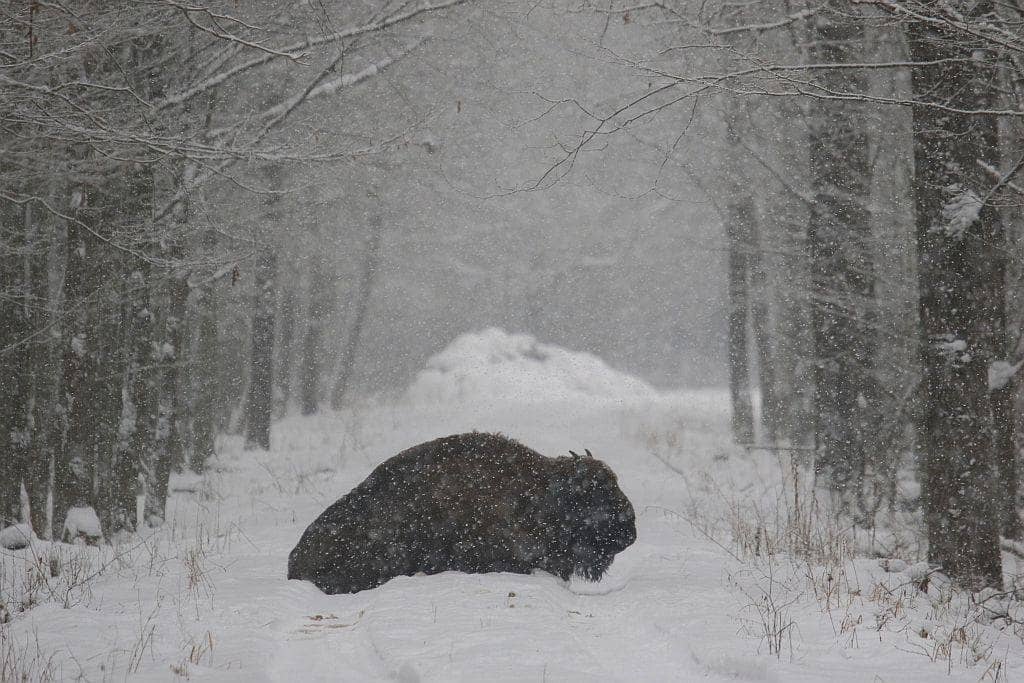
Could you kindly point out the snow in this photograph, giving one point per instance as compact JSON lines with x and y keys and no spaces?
{"x":205,"y":595}
{"x":1000,"y":372}
{"x":494,"y":364}
{"x":15,"y":537}
{"x":961,"y":211}
{"x":82,"y":522}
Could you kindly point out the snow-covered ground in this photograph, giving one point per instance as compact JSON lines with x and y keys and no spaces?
{"x":714,"y":588}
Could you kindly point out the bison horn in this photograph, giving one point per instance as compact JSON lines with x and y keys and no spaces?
{"x":575,"y":455}
{"x":587,"y":451}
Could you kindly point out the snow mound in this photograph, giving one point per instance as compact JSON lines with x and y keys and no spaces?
{"x":15,"y":537}
{"x":493,"y":364}
{"x":82,"y":523}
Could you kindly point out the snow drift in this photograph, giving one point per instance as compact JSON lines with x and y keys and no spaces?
{"x":494,"y":364}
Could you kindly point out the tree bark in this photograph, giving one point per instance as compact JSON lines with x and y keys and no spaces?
{"x":259,"y":406}
{"x":286,"y":349}
{"x":739,"y":216}
{"x":15,"y":361}
{"x":961,"y":297}
{"x":205,"y":390}
{"x":371,"y":263}
{"x":760,"y":319}
{"x":320,"y":293}
{"x":840,"y":249}
{"x":89,"y":396}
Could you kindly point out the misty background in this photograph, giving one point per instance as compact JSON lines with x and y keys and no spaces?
{"x":616,"y":258}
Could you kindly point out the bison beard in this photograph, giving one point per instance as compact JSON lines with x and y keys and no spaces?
{"x":472,"y":503}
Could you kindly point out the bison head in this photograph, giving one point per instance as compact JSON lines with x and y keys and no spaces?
{"x":594,"y":518}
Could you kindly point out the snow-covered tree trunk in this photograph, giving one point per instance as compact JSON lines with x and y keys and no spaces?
{"x":840,"y":251}
{"x":962,"y":292}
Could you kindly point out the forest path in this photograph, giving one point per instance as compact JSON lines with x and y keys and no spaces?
{"x":663,"y":594}
{"x":206,"y":596}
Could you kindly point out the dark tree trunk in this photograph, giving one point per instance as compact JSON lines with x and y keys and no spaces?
{"x":259,"y":406}
{"x":168,"y":432}
{"x":15,"y":361}
{"x":771,"y":404}
{"x":204,"y":383}
{"x":44,"y":319}
{"x":310,"y":382}
{"x":962,"y":291}
{"x":286,"y":349}
{"x":118,"y":483}
{"x":840,"y":249}
{"x":739,"y":216}
{"x":320,"y":303}
{"x":348,"y":358}
{"x":1003,"y":418}
{"x":89,"y":388}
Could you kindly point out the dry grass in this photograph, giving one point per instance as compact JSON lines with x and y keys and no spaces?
{"x":24,"y":661}
{"x":795,"y":548}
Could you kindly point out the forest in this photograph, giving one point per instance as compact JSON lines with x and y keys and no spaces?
{"x":218,"y":216}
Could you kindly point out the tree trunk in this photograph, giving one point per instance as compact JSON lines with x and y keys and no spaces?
{"x":139,"y":408}
{"x":1003,"y":400}
{"x":259,"y":406}
{"x":15,"y":362}
{"x":840,"y":250}
{"x":371,"y":263}
{"x":45,"y":381}
{"x":286,"y":347}
{"x":320,"y":302}
{"x":89,"y":420}
{"x":168,"y":433}
{"x":739,"y":216}
{"x":771,"y":405}
{"x":204,"y":373}
{"x":962,"y":291}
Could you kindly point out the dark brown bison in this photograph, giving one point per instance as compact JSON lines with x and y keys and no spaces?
{"x":472,"y":503}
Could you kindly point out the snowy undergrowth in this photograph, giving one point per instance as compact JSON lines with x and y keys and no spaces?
{"x":799,"y":565}
{"x":739,"y":572}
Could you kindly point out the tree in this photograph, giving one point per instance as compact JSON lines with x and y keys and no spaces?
{"x":961,"y":274}
{"x":839,"y":244}
{"x":739,"y":216}
{"x":116,"y":123}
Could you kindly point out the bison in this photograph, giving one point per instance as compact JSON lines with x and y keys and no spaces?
{"x":472,"y":503}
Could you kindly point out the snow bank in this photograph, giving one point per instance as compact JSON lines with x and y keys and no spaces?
{"x":15,"y":537}
{"x":82,"y":522}
{"x":493,"y":364}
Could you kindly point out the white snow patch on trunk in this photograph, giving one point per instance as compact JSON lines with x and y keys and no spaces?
{"x":961,"y":212}
{"x":1000,"y":372}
